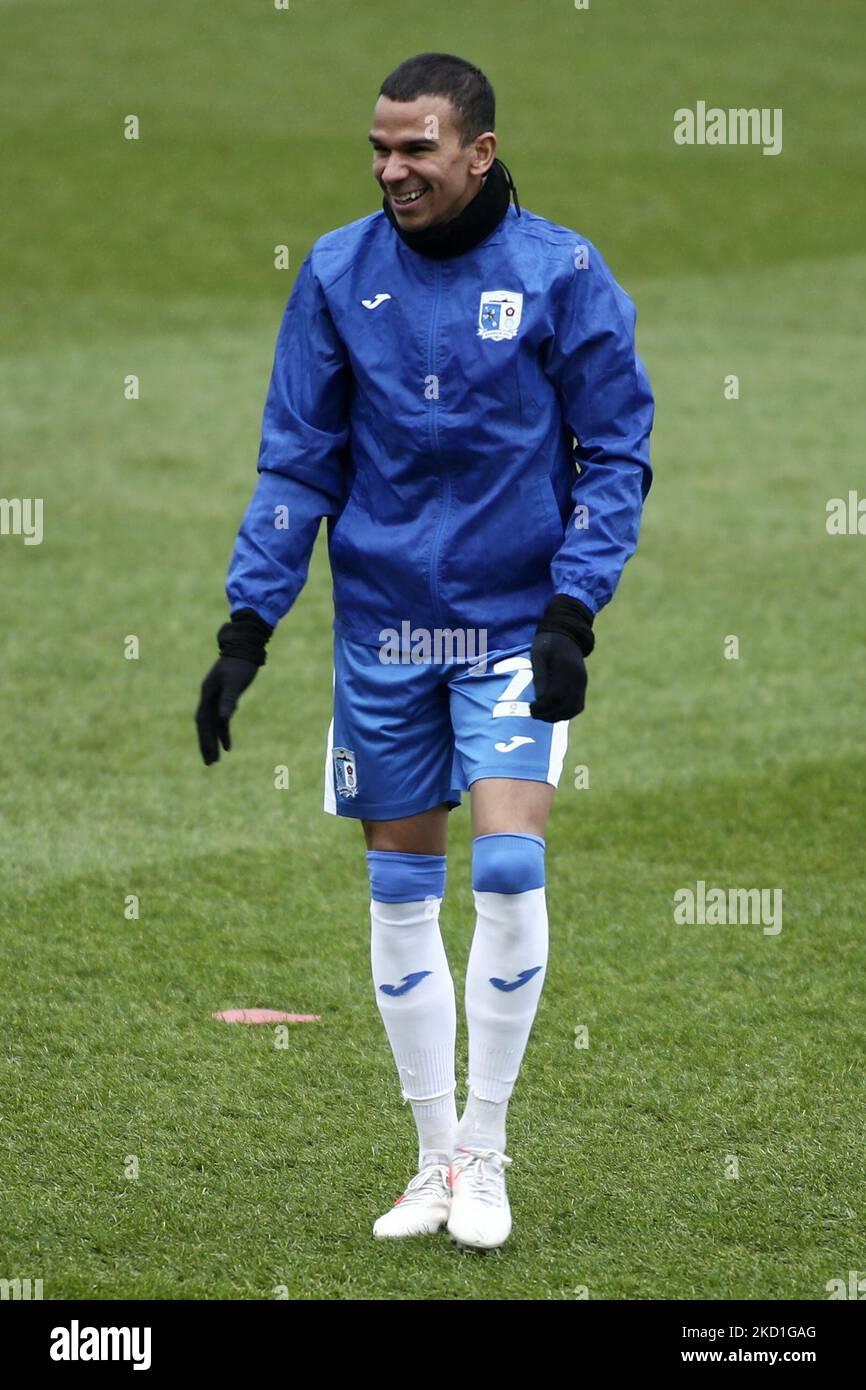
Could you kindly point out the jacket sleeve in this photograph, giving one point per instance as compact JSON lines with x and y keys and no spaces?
{"x":302,"y":458}
{"x":608,"y":406}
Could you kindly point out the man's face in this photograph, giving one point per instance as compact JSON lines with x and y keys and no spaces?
{"x":420,"y":164}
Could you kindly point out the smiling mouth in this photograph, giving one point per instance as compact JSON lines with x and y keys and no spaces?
{"x":407,"y":200}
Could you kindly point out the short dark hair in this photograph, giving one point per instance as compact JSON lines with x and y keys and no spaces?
{"x":443,"y":75}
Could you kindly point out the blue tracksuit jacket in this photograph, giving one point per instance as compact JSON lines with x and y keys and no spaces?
{"x":476,"y":430}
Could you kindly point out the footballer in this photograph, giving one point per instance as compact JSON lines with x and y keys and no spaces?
{"x":456,"y":389}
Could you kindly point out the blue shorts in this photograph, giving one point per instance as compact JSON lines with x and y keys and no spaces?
{"x":407,"y":737}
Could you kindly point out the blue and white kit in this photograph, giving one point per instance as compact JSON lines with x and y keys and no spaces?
{"x":476,"y":431}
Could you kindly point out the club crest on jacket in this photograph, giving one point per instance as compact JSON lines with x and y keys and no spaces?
{"x":499,"y":314}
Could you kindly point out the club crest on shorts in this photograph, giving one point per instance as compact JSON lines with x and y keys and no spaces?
{"x":345,"y":772}
{"x":499,"y":314}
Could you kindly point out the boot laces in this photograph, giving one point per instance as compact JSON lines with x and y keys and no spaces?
{"x":429,"y":1181}
{"x":483,"y":1173}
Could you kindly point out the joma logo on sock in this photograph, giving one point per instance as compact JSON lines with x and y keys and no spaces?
{"x":77,"y":1343}
{"x":523,"y":978}
{"x":734,"y":906}
{"x":408,"y":982}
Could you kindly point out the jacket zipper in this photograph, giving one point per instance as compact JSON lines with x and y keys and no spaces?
{"x":434,"y":439}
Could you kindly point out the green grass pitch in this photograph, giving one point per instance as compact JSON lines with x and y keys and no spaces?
{"x":262,"y":1167}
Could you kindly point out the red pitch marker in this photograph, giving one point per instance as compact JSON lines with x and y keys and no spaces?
{"x":264,"y":1016}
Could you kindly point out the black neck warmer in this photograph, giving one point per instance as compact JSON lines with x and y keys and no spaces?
{"x":477,"y":220}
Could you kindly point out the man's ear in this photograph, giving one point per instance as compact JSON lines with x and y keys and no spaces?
{"x":483,"y":154}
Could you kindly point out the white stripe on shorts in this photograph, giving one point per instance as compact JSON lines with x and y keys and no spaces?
{"x":558,"y":745}
{"x":330,"y":791}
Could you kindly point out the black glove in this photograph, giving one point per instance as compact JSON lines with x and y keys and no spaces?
{"x":563,"y":638}
{"x":242,"y":651}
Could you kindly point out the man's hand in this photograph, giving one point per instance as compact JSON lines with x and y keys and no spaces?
{"x":221,"y":688}
{"x":563,"y":638}
{"x":242,"y":651}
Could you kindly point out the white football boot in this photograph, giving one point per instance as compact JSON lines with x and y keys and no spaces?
{"x":422,"y":1209}
{"x":480,"y":1215}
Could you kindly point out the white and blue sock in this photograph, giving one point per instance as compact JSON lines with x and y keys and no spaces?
{"x":415,"y":991}
{"x":504,"y":978}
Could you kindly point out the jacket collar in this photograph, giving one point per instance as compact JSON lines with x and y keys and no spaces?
{"x":470,"y":227}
